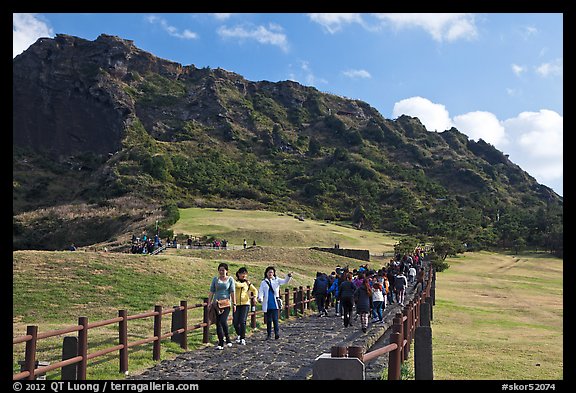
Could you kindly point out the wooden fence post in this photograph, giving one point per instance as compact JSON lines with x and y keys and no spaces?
{"x":295,"y":301}
{"x":184,"y":334}
{"x":287,"y":302}
{"x":30,"y":356}
{"x":307,"y":297}
{"x":252,"y":311}
{"x":398,"y":327}
{"x":206,"y":328}
{"x":301,"y":299}
{"x":123,"y":340}
{"x":82,"y":348}
{"x":157,"y":332}
{"x":395,"y":358}
{"x":406,"y":327}
{"x":69,"y":351}
{"x":423,"y":368}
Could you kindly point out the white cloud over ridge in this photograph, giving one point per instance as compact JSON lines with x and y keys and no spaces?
{"x":171,"y":30}
{"x":26,"y":29}
{"x":271,"y":35}
{"x":441,"y":26}
{"x":533,"y":140}
{"x":354,"y":74}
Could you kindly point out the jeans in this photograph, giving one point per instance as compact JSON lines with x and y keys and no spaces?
{"x":272,"y":317}
{"x":222,"y":326}
{"x":377,"y":310}
{"x":239,"y":320}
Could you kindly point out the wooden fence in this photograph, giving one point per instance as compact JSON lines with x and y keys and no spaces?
{"x":75,"y":359}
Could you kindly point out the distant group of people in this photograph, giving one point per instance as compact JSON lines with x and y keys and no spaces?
{"x":368,"y":290}
{"x":144,"y":244}
{"x":229,"y":294}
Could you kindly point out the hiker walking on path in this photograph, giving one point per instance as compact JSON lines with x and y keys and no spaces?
{"x":222,"y":294}
{"x":346,"y":294}
{"x":362,"y":298}
{"x":243,"y":290}
{"x":400,"y":284}
{"x":377,"y":302}
{"x":268,"y":292}
{"x":319,"y":291}
{"x":334,"y":288}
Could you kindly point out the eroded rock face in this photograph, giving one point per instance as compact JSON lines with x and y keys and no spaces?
{"x":69,"y":93}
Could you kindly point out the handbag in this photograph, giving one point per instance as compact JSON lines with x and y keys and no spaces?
{"x":223,"y":303}
{"x":279,"y":301}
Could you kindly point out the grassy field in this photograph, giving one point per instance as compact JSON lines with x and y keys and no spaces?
{"x":499,"y":317}
{"x":278,"y":230}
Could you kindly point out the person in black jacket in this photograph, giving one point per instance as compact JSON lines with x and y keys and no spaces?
{"x":319,"y":292}
{"x":346,"y":296}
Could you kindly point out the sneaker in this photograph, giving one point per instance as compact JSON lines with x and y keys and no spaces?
{"x":242,"y":342}
{"x":268,"y":337}
{"x":219,"y":347}
{"x":381,"y":321}
{"x":337,"y":314}
{"x":325,"y":313}
{"x":238,"y":339}
{"x":320,"y":315}
{"x":276,"y":337}
{"x":229,"y":345}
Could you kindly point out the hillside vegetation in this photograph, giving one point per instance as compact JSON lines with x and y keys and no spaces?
{"x":121,"y":124}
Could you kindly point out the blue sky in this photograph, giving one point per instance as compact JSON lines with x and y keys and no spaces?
{"x":495,"y":76}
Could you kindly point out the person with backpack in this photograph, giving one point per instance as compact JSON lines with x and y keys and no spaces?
{"x":268,"y":293}
{"x":243,"y":290}
{"x":334,"y":289}
{"x":400,"y":284}
{"x":319,"y":291}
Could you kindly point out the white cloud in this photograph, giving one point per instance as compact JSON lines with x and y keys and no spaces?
{"x":481,"y":125}
{"x":357,"y":74}
{"x":26,"y":29}
{"x":517,"y":69}
{"x":553,"y":68}
{"x":433,"y":116}
{"x":442,"y":27}
{"x":537,"y":140}
{"x":334,"y":22}
{"x":222,"y":16}
{"x":171,"y":30}
{"x":272,"y":35}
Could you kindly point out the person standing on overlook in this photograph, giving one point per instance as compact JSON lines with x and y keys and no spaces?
{"x":268,"y":292}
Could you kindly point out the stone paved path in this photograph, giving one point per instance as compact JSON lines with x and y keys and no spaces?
{"x":291,"y":357}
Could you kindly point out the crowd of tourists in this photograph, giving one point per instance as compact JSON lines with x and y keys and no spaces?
{"x":367,"y":290}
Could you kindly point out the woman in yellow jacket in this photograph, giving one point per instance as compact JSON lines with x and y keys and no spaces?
{"x":244,"y":291}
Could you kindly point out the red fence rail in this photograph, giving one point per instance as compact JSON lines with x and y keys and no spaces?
{"x":301,"y":299}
